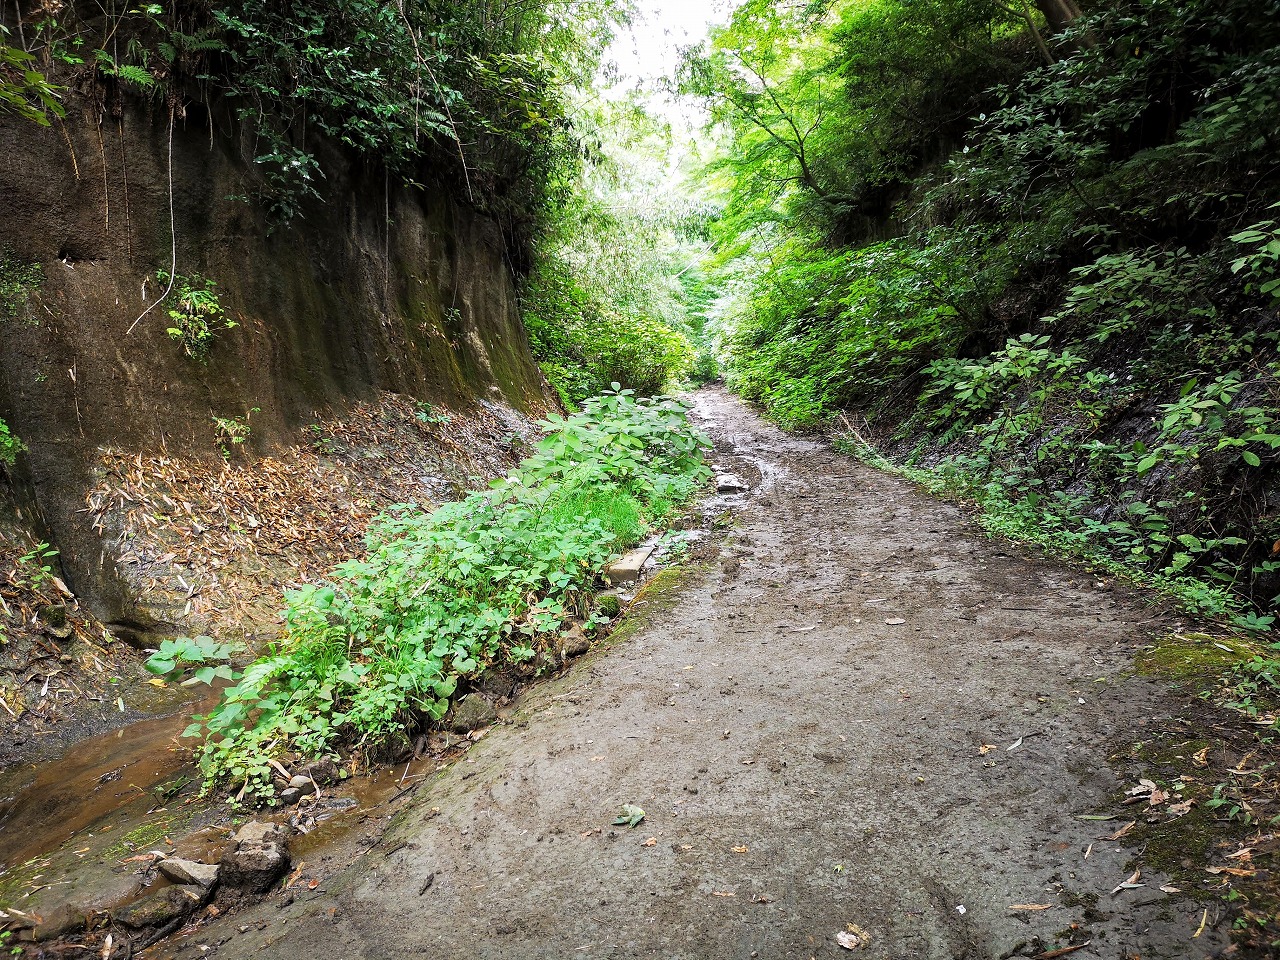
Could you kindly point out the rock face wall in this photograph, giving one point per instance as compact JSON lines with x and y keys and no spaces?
{"x":379,"y":289}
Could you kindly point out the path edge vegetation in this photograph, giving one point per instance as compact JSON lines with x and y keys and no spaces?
{"x":1043,"y":275}
{"x":489,"y":582}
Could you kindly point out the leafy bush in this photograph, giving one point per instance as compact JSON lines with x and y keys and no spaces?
{"x":197,"y":315}
{"x":615,"y":292}
{"x":10,"y":445}
{"x":207,"y":659}
{"x":1045,"y":263}
{"x":442,"y":596}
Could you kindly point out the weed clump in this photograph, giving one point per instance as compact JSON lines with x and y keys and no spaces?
{"x":441,"y":596}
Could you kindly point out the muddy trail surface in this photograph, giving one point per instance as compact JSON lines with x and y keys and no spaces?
{"x":863,"y":721}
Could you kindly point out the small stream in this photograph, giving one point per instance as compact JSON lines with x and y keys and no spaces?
{"x":78,"y":828}
{"x":44,"y":806}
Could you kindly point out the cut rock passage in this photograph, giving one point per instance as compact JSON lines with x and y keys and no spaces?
{"x":866,"y":727}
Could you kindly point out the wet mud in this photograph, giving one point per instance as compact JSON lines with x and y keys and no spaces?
{"x":863,"y":728}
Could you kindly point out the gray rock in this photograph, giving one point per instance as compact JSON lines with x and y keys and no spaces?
{"x":189,"y":871}
{"x":574,"y":643}
{"x":259,"y":859}
{"x":261,"y":832}
{"x":729,"y":483}
{"x":323,"y":772}
{"x":304,"y":785}
{"x":159,"y":908}
{"x":471,"y":713}
{"x":290,"y":795}
{"x":59,"y":922}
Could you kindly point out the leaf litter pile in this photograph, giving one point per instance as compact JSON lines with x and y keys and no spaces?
{"x":56,"y":660}
{"x":209,"y":544}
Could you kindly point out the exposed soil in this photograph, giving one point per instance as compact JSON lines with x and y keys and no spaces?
{"x":865,"y":719}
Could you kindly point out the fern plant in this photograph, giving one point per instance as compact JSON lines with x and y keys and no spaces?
{"x":198,"y":316}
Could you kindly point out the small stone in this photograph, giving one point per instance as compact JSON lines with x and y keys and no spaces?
{"x":189,"y":871}
{"x":261,"y":832}
{"x":574,"y":643}
{"x":303,"y":785}
{"x":290,"y":795}
{"x":158,"y":909}
{"x":471,"y":713}
{"x":323,"y":772}
{"x":53,"y":614}
{"x":627,"y":568}
{"x":59,"y":922}
{"x":729,"y":483}
{"x":53,"y":620}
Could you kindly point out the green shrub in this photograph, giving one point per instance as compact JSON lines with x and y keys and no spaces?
{"x":439,"y":597}
{"x":10,"y":445}
{"x":197,"y":315}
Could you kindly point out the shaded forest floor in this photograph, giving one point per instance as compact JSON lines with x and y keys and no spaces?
{"x":863,"y":727}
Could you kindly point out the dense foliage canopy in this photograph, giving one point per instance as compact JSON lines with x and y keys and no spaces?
{"x":474,"y":93}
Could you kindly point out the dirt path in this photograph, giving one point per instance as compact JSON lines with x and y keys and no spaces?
{"x":805,"y":727}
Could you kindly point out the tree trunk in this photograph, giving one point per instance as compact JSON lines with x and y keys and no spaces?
{"x":1060,"y":14}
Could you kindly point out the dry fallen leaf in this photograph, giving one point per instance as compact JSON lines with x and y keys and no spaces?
{"x":1031,"y":906}
{"x":1244,"y":854}
{"x":651,"y":842}
{"x":1231,"y":871}
{"x":1130,"y":884}
{"x":1170,"y":888}
{"x":741,"y":849}
{"x":986,"y":748}
{"x":1121,"y":832}
{"x":895,"y":621}
{"x":1176,"y":810}
{"x":723,"y":893}
{"x":1204,"y":918}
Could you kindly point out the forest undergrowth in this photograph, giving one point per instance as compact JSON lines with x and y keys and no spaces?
{"x":1036,"y":258}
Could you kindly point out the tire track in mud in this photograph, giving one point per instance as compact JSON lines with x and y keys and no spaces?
{"x":863,"y":713}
